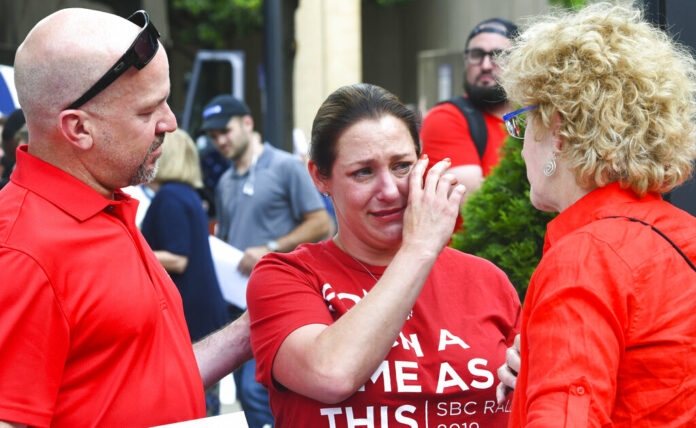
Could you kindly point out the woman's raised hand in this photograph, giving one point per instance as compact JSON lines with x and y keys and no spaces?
{"x":433,"y":205}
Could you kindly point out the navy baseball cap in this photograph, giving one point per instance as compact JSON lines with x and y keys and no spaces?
{"x":220,"y":110}
{"x":494,"y":25}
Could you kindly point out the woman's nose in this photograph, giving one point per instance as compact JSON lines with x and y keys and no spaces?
{"x":389,"y":189}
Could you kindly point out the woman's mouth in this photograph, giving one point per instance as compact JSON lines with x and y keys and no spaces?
{"x":388,"y":214}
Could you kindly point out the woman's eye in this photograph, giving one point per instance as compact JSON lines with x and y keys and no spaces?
{"x":361,"y":172}
{"x":403,"y":167}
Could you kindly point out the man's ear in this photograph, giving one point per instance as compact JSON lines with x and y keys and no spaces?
{"x":248,"y":123}
{"x":319,"y":180}
{"x":76,"y":128}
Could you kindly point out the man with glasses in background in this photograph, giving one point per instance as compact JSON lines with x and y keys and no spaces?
{"x":92,"y":330}
{"x":469,"y":129}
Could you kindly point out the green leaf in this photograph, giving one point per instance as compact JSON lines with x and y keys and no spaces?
{"x":569,"y":4}
{"x":214,"y":23}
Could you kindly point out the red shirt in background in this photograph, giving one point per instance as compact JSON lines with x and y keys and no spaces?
{"x":445,"y":133}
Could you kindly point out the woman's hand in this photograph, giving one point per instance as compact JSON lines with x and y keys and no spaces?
{"x":433,"y":206}
{"x":507,"y":373}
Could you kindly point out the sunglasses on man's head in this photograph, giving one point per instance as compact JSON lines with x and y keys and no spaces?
{"x":138,"y":55}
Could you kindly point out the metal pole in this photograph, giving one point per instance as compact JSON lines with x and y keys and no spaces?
{"x":275,"y":126}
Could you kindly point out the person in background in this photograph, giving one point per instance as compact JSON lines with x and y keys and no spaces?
{"x":300,"y":148}
{"x":92,"y":329}
{"x":608,"y":326}
{"x":472,"y":141}
{"x":265,"y":203}
{"x":143,"y":193}
{"x":176,"y":228}
{"x":3,"y":119}
{"x":11,"y":139}
{"x":381,"y":325}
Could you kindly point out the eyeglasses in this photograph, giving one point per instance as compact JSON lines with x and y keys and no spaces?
{"x":475,"y":56}
{"x":138,"y":55}
{"x":516,"y":120}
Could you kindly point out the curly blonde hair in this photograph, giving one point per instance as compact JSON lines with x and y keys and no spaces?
{"x":623,"y":89}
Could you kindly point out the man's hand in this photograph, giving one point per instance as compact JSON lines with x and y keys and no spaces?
{"x":507,"y":373}
{"x":251,"y":256}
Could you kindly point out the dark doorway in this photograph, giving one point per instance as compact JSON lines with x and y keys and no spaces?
{"x":677,"y":18}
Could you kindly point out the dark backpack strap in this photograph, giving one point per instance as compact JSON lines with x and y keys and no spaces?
{"x":659,"y":232}
{"x":474,"y":118}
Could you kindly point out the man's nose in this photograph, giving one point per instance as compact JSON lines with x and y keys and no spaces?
{"x":487,"y":62}
{"x":168,"y":122}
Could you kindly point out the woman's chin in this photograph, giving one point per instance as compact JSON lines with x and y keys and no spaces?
{"x":392,"y":238}
{"x":542,"y":206}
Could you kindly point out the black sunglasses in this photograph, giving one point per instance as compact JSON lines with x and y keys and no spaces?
{"x":138,"y":55}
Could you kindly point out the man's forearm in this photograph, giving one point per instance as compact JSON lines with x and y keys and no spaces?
{"x":314,"y":227}
{"x":223,"y":351}
{"x":471,"y":176}
{"x":4,"y":424}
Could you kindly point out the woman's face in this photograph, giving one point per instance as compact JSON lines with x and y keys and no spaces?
{"x":369,"y":181}
{"x":538,"y":149}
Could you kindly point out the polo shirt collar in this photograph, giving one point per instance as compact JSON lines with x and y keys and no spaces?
{"x":600,"y":203}
{"x":263,"y":161}
{"x":60,"y":188}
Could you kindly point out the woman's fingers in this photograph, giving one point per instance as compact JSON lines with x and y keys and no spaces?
{"x":433,"y":206}
{"x":501,"y":392}
{"x":512,"y":356}
{"x":416,"y":177}
{"x":507,"y":383}
{"x":507,"y":373}
{"x":434,"y":176}
{"x":449,"y":187}
{"x":507,"y":376}
{"x":456,"y":194}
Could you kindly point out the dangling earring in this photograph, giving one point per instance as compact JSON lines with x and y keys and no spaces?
{"x":550,"y":166}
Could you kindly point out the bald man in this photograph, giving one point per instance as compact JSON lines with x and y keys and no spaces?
{"x":92,"y":330}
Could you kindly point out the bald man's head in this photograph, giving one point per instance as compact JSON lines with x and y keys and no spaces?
{"x":63,"y":56}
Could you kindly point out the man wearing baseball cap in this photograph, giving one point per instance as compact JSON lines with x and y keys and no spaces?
{"x":265,"y":202}
{"x":469,"y":129}
{"x":220,"y":110}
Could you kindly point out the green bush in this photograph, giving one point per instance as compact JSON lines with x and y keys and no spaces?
{"x":500,"y":223}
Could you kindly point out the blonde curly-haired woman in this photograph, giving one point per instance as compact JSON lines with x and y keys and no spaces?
{"x":609,"y":327}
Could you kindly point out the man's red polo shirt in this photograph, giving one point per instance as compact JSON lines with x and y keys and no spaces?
{"x":92,"y":331}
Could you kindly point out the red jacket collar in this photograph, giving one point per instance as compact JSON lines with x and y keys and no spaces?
{"x":600,"y":203}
